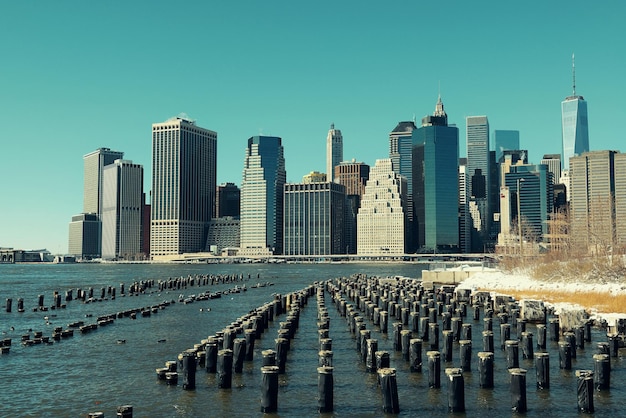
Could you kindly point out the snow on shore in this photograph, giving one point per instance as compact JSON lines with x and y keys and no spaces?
{"x":499,"y":282}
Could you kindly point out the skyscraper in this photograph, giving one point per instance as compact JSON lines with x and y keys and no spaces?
{"x":478,"y":170}
{"x":314,"y":214}
{"x":94,"y":163}
{"x":401,"y":155}
{"x":535,"y":196}
{"x":597,"y":202}
{"x":184,"y":159}
{"x":262,"y":191}
{"x":381,"y":217}
{"x":505,"y":140}
{"x":464,"y":215}
{"x":553,"y":161}
{"x":353,"y":175}
{"x":435,"y":182}
{"x":334,"y":151}
{"x":85,"y":230}
{"x":227,"y":200}
{"x":122,"y":205}
{"x":574,"y":123}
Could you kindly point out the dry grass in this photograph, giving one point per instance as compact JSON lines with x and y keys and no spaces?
{"x":601,"y":301}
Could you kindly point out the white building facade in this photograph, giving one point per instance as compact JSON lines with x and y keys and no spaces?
{"x":381,"y":218}
{"x":122,"y":210}
{"x":184,"y":158}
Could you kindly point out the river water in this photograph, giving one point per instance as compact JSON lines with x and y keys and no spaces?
{"x":93,"y":372}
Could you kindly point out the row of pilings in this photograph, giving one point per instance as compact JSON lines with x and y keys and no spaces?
{"x":224,"y":352}
{"x":109,"y":293}
{"x":439,"y":322}
{"x":135,"y":288}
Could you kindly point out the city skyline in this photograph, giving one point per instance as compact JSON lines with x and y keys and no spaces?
{"x":68,"y":79}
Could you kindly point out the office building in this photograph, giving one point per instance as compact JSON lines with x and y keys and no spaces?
{"x":381,"y":218}
{"x":505,"y":140}
{"x":553,"y":161}
{"x":85,"y":236}
{"x":535,"y":199}
{"x":353,"y":175}
{"x":464,"y":215}
{"x":224,"y":232}
{"x":334,"y":150}
{"x":598,"y":201}
{"x":313,"y":219}
{"x":94,"y":164}
{"x":401,"y":155}
{"x":227,"y":200}
{"x":478,"y":170}
{"x":145,"y":227}
{"x":184,"y":159}
{"x":262,"y":192}
{"x":435,"y":183}
{"x":122,"y":210}
{"x":574,"y":124}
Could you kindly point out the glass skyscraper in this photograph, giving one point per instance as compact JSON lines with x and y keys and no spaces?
{"x":401,"y":155}
{"x":436,"y":183}
{"x":535,"y":198}
{"x":505,"y":140}
{"x":574,"y":123}
{"x":479,"y":184}
{"x":262,"y":192}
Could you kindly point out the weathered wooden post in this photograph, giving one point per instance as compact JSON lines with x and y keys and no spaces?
{"x":456,"y":390}
{"x":269,"y":389}
{"x":585,"y":391}
{"x":485,"y":369}
{"x":542,"y":367}
{"x":518,"y":390}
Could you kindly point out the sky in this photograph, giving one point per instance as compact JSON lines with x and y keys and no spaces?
{"x":76,"y":76}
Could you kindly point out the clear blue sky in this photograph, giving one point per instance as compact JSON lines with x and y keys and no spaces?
{"x":77,"y":75}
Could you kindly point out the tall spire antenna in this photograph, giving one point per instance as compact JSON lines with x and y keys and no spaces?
{"x":573,"y":74}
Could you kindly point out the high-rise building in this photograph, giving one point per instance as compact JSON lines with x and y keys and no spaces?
{"x":435,"y":183}
{"x":84,"y":236}
{"x":334,"y":150}
{"x":574,"y":123}
{"x":85,"y":231}
{"x":227,"y":200}
{"x":122,"y":206}
{"x":535,"y":198}
{"x":464,"y":215}
{"x":553,"y":161}
{"x":401,"y":155}
{"x":353,"y":175}
{"x":505,"y":140}
{"x":94,"y":164}
{"x":478,"y":170}
{"x":313,"y":219}
{"x":262,"y":192}
{"x":145,"y":227}
{"x":598,"y":200}
{"x":184,"y":159}
{"x":381,"y":217}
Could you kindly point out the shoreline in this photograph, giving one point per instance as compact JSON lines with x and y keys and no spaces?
{"x":499,"y":282}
